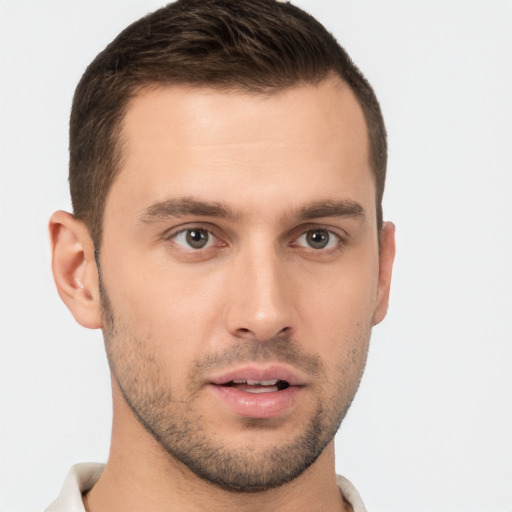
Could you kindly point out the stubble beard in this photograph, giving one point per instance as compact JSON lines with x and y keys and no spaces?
{"x":178,"y":427}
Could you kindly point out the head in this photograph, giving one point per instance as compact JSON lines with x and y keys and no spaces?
{"x":227,"y":170}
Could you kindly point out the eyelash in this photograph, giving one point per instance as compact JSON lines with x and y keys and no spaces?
{"x":338,"y":240}
{"x":341,"y":240}
{"x":209,"y":230}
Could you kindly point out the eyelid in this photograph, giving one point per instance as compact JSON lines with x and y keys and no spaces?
{"x":212,"y":230}
{"x":341,"y":235}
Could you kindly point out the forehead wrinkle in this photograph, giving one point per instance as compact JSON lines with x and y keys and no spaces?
{"x":184,"y":206}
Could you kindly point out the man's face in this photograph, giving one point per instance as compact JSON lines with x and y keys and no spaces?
{"x":240,"y":274}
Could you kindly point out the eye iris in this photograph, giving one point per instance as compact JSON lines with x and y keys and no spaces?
{"x":197,"y":238}
{"x":317,"y":239}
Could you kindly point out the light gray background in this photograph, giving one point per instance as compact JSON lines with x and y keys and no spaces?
{"x":431,"y":428}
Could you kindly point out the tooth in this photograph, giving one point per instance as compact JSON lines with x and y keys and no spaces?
{"x":239,"y":381}
{"x":262,"y":390}
{"x":262,"y":382}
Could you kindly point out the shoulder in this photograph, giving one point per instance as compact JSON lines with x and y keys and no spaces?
{"x":80,"y":478}
{"x":350,"y":494}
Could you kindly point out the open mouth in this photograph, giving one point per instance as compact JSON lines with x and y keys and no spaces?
{"x":259,"y":391}
{"x":258,"y":386}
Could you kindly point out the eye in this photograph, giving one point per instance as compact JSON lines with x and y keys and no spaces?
{"x":319,"y":239}
{"x":194,"y":238}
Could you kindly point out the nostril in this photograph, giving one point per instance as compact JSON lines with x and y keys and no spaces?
{"x":244,"y":333}
{"x":248,"y":334}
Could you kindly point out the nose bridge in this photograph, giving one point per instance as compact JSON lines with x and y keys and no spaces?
{"x":260,"y":299}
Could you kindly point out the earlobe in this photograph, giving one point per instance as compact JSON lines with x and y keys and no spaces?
{"x":386,"y":259}
{"x":74,"y":268}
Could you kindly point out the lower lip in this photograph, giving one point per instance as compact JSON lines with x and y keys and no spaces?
{"x":258,"y":405}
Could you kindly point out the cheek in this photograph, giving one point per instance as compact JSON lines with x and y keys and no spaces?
{"x":337,"y":316}
{"x":343,"y":298}
{"x":341,"y":331}
{"x":173,"y":310}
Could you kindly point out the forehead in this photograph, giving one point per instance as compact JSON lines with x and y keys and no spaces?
{"x":211,"y":116}
{"x":195,"y":141}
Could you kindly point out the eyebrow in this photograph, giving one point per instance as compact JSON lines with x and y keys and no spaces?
{"x":184,"y":206}
{"x":342,"y":208}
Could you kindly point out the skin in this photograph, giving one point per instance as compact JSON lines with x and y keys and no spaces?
{"x":257,"y":292}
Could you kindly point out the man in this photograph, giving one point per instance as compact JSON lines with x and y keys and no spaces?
{"x":227,"y":165}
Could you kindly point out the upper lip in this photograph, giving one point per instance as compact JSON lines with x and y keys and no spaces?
{"x":259,"y":374}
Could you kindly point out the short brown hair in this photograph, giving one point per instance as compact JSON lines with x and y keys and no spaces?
{"x":259,"y":46}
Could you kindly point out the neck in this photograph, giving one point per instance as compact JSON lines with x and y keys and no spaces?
{"x":141,"y":475}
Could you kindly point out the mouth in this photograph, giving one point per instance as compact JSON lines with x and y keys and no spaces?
{"x":257,"y":379}
{"x":259,"y":392}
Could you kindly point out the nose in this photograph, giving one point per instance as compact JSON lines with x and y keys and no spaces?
{"x":261,"y":297}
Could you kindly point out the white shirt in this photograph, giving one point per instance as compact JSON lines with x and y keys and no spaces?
{"x":82,"y":477}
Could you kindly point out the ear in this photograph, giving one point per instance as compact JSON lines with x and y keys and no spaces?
{"x":74,"y":268}
{"x":386,"y":258}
